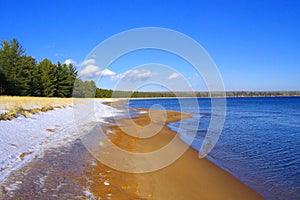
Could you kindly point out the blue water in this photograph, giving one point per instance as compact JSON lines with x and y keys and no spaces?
{"x":259,"y":144}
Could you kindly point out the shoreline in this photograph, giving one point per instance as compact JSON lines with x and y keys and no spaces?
{"x":227,"y":97}
{"x":187,"y":178}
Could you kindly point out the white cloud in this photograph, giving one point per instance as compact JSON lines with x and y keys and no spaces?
{"x":106,"y":72}
{"x":134,"y":75}
{"x":174,"y":75}
{"x":93,"y":70}
{"x":70,"y":61}
{"x":84,"y":63}
{"x":89,"y":71}
{"x":88,"y":62}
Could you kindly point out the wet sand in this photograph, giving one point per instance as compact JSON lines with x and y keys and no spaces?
{"x":187,"y":178}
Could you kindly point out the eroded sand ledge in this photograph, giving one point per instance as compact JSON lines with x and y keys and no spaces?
{"x":187,"y":178}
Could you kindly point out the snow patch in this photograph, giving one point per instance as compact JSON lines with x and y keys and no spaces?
{"x":88,"y":194}
{"x":21,"y":139}
{"x":106,"y":183}
{"x":3,"y":112}
{"x":143,"y":112}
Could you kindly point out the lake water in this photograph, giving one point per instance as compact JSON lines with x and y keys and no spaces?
{"x":259,"y":143}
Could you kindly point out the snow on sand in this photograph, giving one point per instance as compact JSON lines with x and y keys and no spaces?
{"x":23,"y":138}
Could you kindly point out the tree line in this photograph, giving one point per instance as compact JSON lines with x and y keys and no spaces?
{"x":22,"y":75}
{"x":104,"y":93}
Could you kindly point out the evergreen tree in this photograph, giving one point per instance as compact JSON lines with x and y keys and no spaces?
{"x":65,"y":75}
{"x":84,"y":89}
{"x":47,"y":78}
{"x":61,"y":76}
{"x":78,"y":90}
{"x":11,"y":67}
{"x":26,"y":76}
{"x":72,"y":74}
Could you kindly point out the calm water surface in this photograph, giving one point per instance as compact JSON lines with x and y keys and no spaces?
{"x":259,"y":144}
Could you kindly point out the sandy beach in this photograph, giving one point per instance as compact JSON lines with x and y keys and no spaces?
{"x":187,"y":178}
{"x":66,"y":169}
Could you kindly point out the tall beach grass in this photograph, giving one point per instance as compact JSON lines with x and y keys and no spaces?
{"x":11,"y":106}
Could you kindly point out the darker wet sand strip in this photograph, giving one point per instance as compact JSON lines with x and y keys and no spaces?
{"x":187,"y":178}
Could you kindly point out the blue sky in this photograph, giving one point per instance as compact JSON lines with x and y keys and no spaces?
{"x":255,"y":44}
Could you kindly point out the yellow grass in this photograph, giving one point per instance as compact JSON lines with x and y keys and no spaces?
{"x":30,"y":105}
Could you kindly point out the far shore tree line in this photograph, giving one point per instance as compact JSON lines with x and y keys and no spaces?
{"x":22,"y":75}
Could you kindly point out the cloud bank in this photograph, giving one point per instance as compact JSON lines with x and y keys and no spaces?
{"x":174,"y":75}
{"x":134,"y":75}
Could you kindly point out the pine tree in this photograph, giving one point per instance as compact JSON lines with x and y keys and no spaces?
{"x":30,"y":66}
{"x":72,"y":74}
{"x":60,"y":77}
{"x":84,"y":89}
{"x":47,"y":78}
{"x":78,"y":90}
{"x":66,"y":75}
{"x":25,"y":76}
{"x":11,"y":67}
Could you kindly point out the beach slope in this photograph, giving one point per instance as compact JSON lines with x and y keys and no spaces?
{"x":187,"y":178}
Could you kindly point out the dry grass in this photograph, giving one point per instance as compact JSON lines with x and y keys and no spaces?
{"x":29,"y":105}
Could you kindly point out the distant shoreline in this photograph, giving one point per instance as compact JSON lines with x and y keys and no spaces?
{"x":198,"y":94}
{"x":203,"y":97}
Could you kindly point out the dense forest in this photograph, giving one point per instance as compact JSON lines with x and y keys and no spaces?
{"x":22,"y":75}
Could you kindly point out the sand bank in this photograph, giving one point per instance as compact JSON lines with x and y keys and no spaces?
{"x":187,"y":178}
